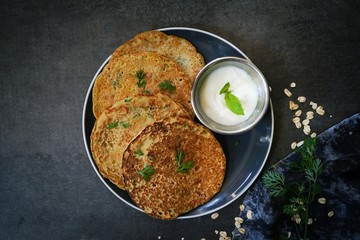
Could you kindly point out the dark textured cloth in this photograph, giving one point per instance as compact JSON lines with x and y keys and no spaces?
{"x":339,"y":149}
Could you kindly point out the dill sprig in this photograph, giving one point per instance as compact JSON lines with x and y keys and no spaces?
{"x":298,"y":196}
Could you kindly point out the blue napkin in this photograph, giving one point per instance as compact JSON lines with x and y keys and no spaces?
{"x":339,"y":149}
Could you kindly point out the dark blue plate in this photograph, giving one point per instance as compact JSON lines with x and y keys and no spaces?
{"x":246,"y":153}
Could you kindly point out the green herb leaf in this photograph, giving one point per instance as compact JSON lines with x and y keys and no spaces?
{"x":179,"y":157}
{"x":186,"y":166}
{"x":234,"y":104}
{"x":225,"y":88}
{"x":136,"y":115}
{"x":275,"y":182}
{"x":147,"y":172}
{"x":127,"y":100}
{"x":138,"y":152}
{"x":146,"y":92}
{"x":140,"y":75}
{"x":183,"y":167}
{"x":112,"y":125}
{"x":231,"y":101}
{"x":299,"y":193}
{"x":116,"y":124}
{"x":166,"y":85}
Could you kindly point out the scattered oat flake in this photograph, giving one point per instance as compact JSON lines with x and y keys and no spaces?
{"x":299,"y":144}
{"x":289,"y":234}
{"x":241,"y":230}
{"x":223,"y":234}
{"x":314,"y":106}
{"x":309,"y":115}
{"x":307,"y":129}
{"x":296,"y":119}
{"x":242,"y":207}
{"x":214,"y":215}
{"x":159,"y":237}
{"x":239,"y":219}
{"x":322,"y":200}
{"x":306,"y":121}
{"x":298,"y":113}
{"x":301,"y":99}
{"x":293,"y":145}
{"x":293,"y":106}
{"x":249,"y":214}
{"x":298,"y":125}
{"x":331,"y":213}
{"x":287,"y":92}
{"x":320,"y":110}
{"x":237,"y":224}
{"x":313,"y":135}
{"x":310,"y":221}
{"x":216,"y":231}
{"x":292,"y":84}
{"x":270,"y":89}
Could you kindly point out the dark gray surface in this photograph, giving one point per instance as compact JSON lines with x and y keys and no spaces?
{"x":51,"y":50}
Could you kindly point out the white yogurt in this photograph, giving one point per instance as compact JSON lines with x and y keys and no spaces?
{"x":241,"y":85}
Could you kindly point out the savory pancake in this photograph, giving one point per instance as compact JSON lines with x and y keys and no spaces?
{"x":118,"y":125}
{"x":172,"y":167}
{"x":140,"y":73}
{"x":178,"y":49}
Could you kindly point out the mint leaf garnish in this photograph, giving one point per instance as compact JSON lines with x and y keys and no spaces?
{"x":231,"y":101}
{"x":225,"y":88}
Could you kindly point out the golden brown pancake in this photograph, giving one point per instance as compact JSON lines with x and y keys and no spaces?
{"x":168,"y":192}
{"x":176,"y":48}
{"x":118,"y":125}
{"x":140,"y":73}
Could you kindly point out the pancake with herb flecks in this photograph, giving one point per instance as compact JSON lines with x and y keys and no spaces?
{"x":140,"y":73}
{"x":118,"y":125}
{"x":176,"y":48}
{"x":172,"y":167}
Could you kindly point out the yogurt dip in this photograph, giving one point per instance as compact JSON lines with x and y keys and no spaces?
{"x":241,"y":85}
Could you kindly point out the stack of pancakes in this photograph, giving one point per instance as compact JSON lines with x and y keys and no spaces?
{"x":141,"y":101}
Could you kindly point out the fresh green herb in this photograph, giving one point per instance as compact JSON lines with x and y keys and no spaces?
{"x":127,"y":100}
{"x":140,"y":75}
{"x":138,"y":152}
{"x":225,"y":88}
{"x":116,"y":124}
{"x":112,"y":125}
{"x":116,"y":82}
{"x":183,"y":167}
{"x":275,"y":182}
{"x":147,"y":172}
{"x":147,"y":92}
{"x":298,"y":196}
{"x":231,"y":101}
{"x":125,"y":125}
{"x":166,"y":85}
{"x":136,"y":115}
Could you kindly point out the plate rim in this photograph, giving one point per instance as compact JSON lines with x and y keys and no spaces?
{"x":133,"y":205}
